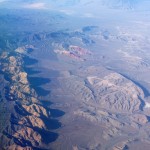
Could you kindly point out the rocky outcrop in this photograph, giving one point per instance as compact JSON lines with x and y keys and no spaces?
{"x":139,"y":119}
{"x":74,"y":52}
{"x":16,"y":147}
{"x":25,"y":49}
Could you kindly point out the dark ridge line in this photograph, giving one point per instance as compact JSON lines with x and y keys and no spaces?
{"x":87,"y":84}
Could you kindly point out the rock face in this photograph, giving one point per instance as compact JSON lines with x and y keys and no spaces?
{"x":29,"y":135}
{"x":28,"y":118}
{"x":36,"y":110}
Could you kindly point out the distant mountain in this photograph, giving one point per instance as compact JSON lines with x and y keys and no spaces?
{"x":111,"y":4}
{"x":121,"y":4}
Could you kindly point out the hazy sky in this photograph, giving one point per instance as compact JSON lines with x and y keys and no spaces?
{"x":70,"y":6}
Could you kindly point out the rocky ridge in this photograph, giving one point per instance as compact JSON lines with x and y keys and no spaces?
{"x":28,"y":117}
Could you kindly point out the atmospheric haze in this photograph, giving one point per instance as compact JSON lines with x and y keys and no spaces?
{"x":74,"y":74}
